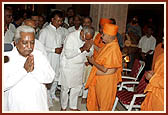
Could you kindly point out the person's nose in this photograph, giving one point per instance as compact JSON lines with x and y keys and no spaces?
{"x":29,"y":45}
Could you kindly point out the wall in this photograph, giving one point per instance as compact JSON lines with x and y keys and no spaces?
{"x":116,"y":11}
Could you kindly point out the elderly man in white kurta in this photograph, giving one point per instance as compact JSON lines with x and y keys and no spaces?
{"x":76,"y":47}
{"x":26,"y":74}
{"x":87,"y":21}
{"x":77,"y":24}
{"x":53,"y":42}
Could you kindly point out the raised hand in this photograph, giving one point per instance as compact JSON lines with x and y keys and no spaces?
{"x":29,"y":64}
{"x":88,"y":44}
{"x":58,"y":50}
{"x":90,"y":59}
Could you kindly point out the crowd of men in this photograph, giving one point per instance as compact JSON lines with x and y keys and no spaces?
{"x":66,"y":53}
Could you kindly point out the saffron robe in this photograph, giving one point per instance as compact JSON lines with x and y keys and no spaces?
{"x":154,"y":100}
{"x":99,"y":43}
{"x":102,"y":89}
{"x":158,"y":50}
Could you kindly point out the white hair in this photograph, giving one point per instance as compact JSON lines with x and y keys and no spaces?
{"x":90,"y":30}
{"x":23,"y":28}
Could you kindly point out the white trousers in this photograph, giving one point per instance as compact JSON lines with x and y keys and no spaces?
{"x":51,"y":93}
{"x":85,"y":91}
{"x":72,"y":96}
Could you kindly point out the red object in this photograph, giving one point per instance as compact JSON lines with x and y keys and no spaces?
{"x":125,"y":97}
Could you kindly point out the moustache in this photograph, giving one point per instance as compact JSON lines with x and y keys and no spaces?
{"x":28,"y":49}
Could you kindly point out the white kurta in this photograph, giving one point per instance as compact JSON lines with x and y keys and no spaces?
{"x":39,"y":46}
{"x":45,"y":25}
{"x":147,"y":44}
{"x":9,"y":34}
{"x":72,"y":29}
{"x":66,"y":20}
{"x":72,"y":61}
{"x":26,"y":91}
{"x":51,"y":40}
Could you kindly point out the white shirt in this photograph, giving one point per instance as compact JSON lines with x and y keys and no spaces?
{"x":51,"y":40}
{"x":24,"y":91}
{"x":72,"y":61}
{"x":72,"y":29}
{"x":9,"y":34}
{"x":45,"y":25}
{"x":66,"y":20}
{"x":147,"y":44}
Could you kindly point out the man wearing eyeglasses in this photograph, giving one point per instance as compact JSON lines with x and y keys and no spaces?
{"x":51,"y":38}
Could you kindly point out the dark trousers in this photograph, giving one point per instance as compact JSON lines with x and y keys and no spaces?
{"x":148,"y":64}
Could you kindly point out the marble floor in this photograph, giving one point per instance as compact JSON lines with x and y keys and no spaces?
{"x":82,"y":107}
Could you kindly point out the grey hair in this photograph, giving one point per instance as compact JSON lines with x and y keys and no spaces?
{"x":20,"y":29}
{"x":90,"y":30}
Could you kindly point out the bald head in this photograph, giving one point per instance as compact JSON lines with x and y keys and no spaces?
{"x":29,"y":22}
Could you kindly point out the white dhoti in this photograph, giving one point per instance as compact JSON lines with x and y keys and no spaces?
{"x":85,"y":78}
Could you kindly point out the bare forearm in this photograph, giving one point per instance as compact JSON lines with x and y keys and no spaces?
{"x":100,"y":67}
{"x":109,"y":72}
{"x":96,"y":48}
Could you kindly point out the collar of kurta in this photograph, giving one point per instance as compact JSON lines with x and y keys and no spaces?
{"x":80,"y":27}
{"x":53,"y":27}
{"x":149,"y":37}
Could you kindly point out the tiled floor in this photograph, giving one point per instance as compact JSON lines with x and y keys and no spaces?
{"x":82,"y":107}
